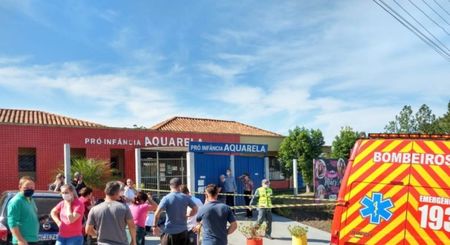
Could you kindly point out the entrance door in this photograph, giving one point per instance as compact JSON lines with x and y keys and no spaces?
{"x":208,"y":168}
{"x":254,"y":166}
{"x":159,"y":167}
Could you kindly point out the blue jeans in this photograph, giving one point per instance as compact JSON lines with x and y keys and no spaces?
{"x":75,"y":240}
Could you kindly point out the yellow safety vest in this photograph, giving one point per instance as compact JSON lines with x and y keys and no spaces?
{"x":265,"y":197}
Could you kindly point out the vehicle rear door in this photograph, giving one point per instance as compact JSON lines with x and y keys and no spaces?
{"x":428,"y":219}
{"x":378,"y":194}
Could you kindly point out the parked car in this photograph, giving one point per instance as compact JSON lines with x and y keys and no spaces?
{"x":45,"y":201}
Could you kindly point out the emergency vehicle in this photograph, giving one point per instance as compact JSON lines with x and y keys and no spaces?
{"x":396,"y":190}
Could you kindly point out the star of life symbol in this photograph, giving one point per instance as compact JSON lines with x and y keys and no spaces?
{"x":376,"y":208}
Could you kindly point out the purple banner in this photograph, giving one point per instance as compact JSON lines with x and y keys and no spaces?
{"x":328,"y":174}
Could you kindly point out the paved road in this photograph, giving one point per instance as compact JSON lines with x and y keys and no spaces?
{"x":280,"y":234}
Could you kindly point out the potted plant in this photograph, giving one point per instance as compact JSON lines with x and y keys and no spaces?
{"x":298,"y":234}
{"x":253,"y":232}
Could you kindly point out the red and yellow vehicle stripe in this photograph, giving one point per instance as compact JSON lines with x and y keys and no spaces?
{"x":403,"y":184}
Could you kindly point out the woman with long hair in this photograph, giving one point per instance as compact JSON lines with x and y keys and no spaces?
{"x":56,"y":185}
{"x":140,"y":207}
{"x":68,"y":215}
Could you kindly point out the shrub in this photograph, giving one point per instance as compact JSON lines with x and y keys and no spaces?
{"x":253,"y":230}
{"x":297,"y":230}
{"x":96,"y":173}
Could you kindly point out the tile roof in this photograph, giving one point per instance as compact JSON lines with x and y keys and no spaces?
{"x":31,"y":117}
{"x":204,"y":125}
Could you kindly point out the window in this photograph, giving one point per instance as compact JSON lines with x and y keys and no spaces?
{"x":27,"y":162}
{"x":77,"y":153}
{"x":275,"y":169}
{"x":117,"y":160}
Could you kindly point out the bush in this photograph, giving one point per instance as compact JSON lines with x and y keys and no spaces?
{"x":96,"y":173}
{"x":253,"y":230}
{"x":297,"y":230}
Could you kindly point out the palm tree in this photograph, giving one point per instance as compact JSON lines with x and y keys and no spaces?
{"x":96,"y":172}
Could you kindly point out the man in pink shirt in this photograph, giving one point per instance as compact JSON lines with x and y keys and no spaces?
{"x":68,"y":216}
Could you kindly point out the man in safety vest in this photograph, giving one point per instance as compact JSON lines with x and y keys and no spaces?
{"x":264,"y":196}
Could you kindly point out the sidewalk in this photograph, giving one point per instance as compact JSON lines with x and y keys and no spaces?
{"x":280,"y":234}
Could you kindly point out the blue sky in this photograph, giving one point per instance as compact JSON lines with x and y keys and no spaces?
{"x":272,"y":64}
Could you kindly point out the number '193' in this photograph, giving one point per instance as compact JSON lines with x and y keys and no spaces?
{"x":433,"y":217}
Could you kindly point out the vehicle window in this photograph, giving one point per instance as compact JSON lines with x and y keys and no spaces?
{"x":45,"y":204}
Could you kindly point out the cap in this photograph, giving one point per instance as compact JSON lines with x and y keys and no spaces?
{"x":175,"y":182}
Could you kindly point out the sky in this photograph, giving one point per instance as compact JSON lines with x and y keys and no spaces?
{"x":320,"y":64}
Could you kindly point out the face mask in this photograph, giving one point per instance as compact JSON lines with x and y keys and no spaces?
{"x":228,"y":173}
{"x":28,"y":192}
{"x":66,"y":197}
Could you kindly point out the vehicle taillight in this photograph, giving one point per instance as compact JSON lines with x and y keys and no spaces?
{"x":3,"y":233}
{"x":335,"y":238}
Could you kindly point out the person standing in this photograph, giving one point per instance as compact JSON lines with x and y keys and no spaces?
{"x":68,"y":215}
{"x":192,"y":220}
{"x":221,"y":188}
{"x":264,"y":197}
{"x":110,"y":219}
{"x":140,"y":207}
{"x":87,"y":199}
{"x":175,"y":204}
{"x":129,"y":191}
{"x":214,"y":216}
{"x":22,"y":214}
{"x":230,"y":188}
{"x":56,"y":185}
{"x":248,"y":189}
{"x":78,"y":182}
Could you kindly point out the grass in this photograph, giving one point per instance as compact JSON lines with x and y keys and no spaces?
{"x":319,"y":217}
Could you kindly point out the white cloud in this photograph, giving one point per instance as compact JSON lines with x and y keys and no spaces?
{"x":351,"y":64}
{"x":110,"y":92}
{"x":369,"y":120}
{"x":227,"y":73}
{"x":108,"y":15}
{"x":320,"y":64}
{"x":4,"y":60}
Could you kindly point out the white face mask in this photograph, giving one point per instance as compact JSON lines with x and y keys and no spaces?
{"x":228,"y":173}
{"x":67,"y":197}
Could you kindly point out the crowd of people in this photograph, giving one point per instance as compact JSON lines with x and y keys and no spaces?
{"x":122,"y":216}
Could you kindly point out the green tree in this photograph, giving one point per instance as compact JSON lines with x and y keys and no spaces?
{"x":443,"y":123}
{"x":423,"y":121}
{"x":343,"y":143}
{"x":403,"y":123}
{"x":304,"y":145}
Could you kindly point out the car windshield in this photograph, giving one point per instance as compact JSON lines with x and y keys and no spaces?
{"x":46,"y":204}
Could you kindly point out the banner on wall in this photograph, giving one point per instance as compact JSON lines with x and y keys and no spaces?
{"x":328,"y":174}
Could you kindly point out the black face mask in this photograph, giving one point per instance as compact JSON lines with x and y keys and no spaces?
{"x":28,"y":192}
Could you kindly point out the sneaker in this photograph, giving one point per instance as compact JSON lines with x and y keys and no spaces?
{"x":269,"y":237}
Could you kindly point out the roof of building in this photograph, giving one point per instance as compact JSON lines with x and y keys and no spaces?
{"x":33,"y":117}
{"x":204,"y":125}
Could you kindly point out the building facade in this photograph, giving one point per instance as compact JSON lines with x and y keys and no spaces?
{"x":32,"y":144}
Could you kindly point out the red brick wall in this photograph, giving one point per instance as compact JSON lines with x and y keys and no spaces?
{"x":49,"y":142}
